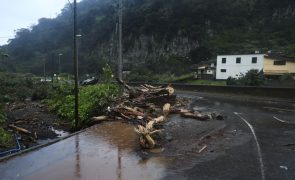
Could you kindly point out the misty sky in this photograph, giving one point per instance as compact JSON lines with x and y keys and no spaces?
{"x":16,"y":14}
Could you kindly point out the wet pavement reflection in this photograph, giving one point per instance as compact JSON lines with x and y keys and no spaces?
{"x":106,"y":151}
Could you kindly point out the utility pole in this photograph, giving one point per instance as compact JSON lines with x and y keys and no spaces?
{"x":76,"y":67}
{"x":120,"y":59}
{"x":44,"y":70}
{"x":59,"y":67}
{"x":52,"y":68}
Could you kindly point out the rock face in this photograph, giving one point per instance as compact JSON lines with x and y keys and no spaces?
{"x":144,"y":48}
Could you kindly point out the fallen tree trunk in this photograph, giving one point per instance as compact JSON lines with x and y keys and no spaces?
{"x":128,"y":112}
{"x":99,"y":119}
{"x":146,"y":141}
{"x":195,"y":115}
{"x":19,"y":129}
{"x":166,"y":109}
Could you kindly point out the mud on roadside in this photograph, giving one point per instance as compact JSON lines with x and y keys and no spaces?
{"x":36,"y":118}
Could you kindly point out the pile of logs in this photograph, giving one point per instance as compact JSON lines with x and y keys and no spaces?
{"x":148,"y":106}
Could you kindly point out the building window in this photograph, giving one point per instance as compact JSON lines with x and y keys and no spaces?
{"x":223,"y":70}
{"x":238,"y":60}
{"x":223,"y":60}
{"x":254,"y":60}
{"x":279,"y":62}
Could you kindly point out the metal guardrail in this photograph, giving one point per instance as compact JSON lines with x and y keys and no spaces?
{"x":13,"y":150}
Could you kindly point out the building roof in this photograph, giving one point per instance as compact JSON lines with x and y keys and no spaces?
{"x":202,"y":65}
{"x":241,"y":54}
{"x":279,"y":57}
{"x":205,"y":67}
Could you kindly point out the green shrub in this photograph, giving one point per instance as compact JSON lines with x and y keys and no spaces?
{"x":108,"y":74}
{"x":93,"y":100}
{"x":252,"y":78}
{"x":231,"y":81}
{"x":6,"y":139}
{"x":44,"y":90}
{"x":16,"y":86}
{"x":2,"y":115}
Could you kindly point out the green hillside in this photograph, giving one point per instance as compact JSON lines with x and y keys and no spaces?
{"x":158,"y":35}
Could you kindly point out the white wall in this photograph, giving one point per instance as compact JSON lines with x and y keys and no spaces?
{"x":233,"y":69}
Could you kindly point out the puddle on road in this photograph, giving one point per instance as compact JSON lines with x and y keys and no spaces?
{"x":107,"y":151}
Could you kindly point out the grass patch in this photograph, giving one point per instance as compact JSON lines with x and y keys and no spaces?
{"x":2,"y":115}
{"x":159,"y":78}
{"x":207,"y":82}
{"x":6,"y":140}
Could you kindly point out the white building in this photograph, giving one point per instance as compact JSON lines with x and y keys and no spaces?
{"x":234,"y":65}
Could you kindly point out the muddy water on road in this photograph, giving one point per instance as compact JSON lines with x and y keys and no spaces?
{"x":106,"y":151}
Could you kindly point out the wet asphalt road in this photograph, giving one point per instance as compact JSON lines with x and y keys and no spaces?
{"x":234,"y":155}
{"x":275,"y":131}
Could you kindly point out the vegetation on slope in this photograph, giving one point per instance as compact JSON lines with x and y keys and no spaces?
{"x":93,"y":100}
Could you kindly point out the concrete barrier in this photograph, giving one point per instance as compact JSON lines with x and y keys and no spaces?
{"x":272,"y":92}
